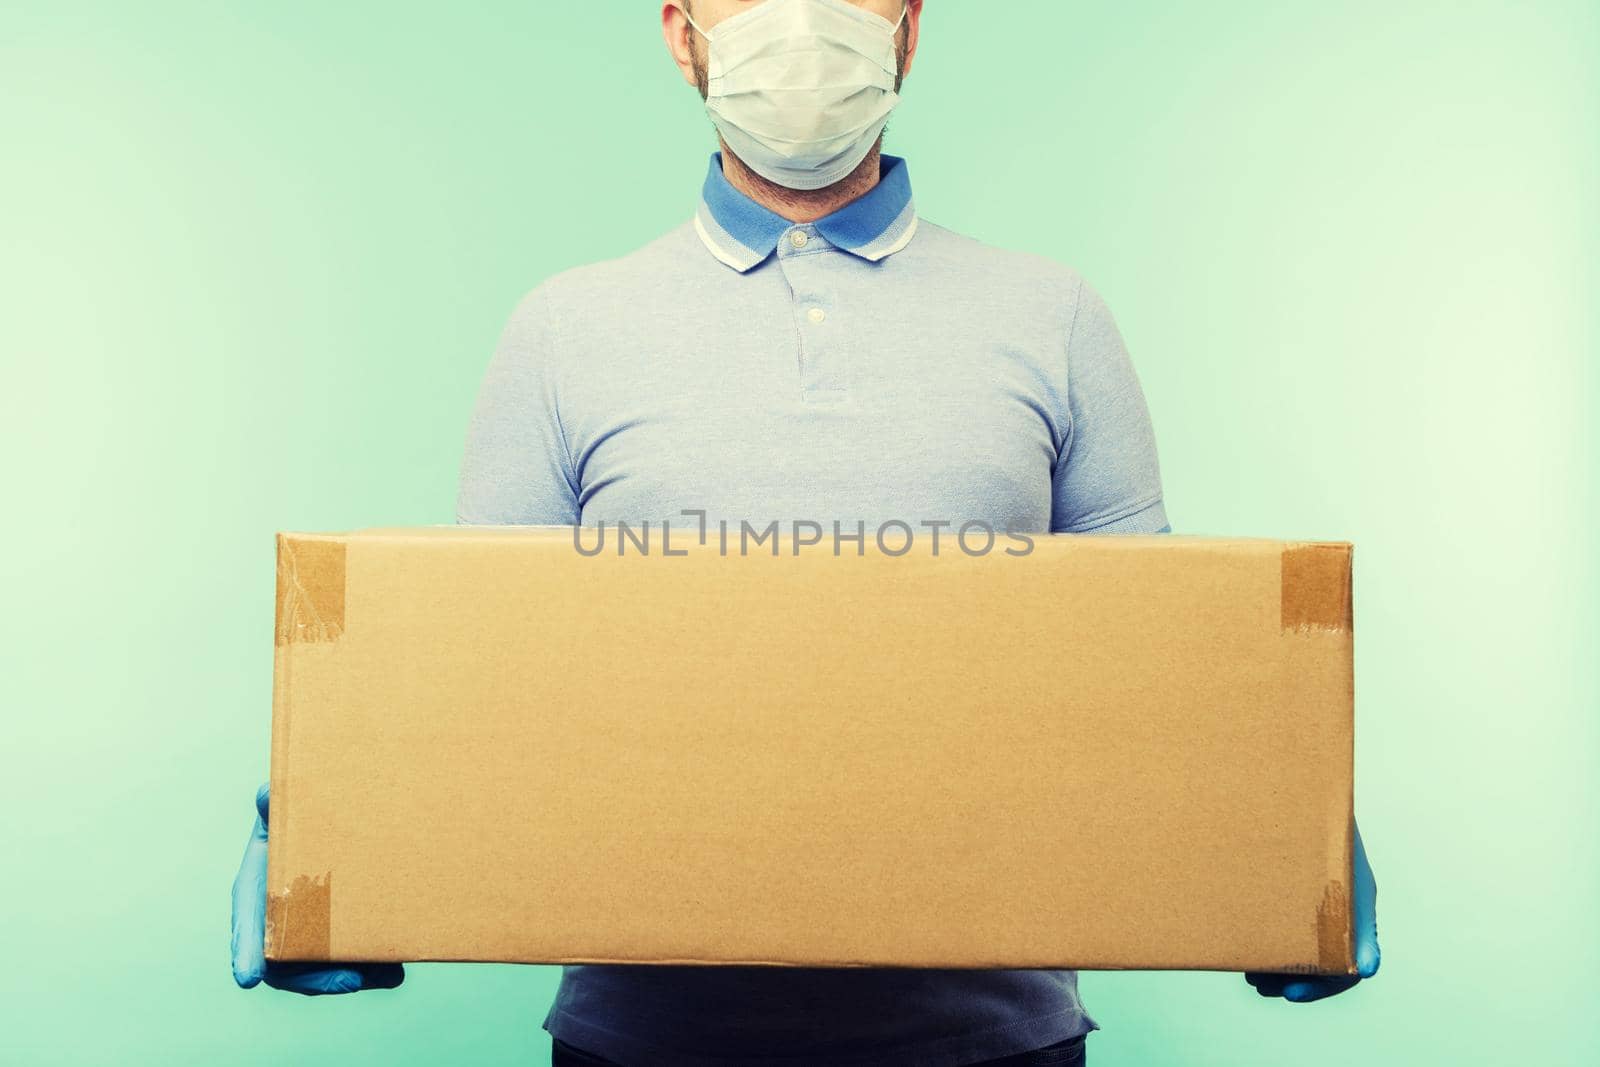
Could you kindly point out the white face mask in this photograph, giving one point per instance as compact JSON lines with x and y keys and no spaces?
{"x":801,"y":89}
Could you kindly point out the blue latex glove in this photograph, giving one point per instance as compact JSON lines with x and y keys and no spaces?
{"x":250,"y":965}
{"x":1303,"y":989}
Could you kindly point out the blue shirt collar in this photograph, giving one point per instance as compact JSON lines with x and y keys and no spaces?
{"x":742,"y":233}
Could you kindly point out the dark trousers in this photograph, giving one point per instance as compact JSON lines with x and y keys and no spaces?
{"x":1067,"y":1053}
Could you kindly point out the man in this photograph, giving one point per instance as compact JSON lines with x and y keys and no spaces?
{"x":806,"y":348}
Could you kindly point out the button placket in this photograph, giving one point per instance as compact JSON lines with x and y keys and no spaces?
{"x":823,"y":360}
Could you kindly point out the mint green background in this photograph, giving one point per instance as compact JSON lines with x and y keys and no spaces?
{"x":255,"y":256}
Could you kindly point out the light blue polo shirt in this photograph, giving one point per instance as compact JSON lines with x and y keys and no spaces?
{"x":867,"y":368}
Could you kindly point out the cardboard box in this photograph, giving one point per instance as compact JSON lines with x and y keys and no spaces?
{"x":1105,"y":752}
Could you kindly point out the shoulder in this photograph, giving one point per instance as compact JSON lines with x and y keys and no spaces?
{"x":1009,"y":266}
{"x":1022,"y":286}
{"x":607,"y":285}
{"x":1019,"y":282}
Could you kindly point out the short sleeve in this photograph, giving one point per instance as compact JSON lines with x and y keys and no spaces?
{"x":517,"y":470}
{"x":1107,"y":478}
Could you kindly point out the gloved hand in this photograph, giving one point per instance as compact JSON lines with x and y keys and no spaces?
{"x":1305,"y":988}
{"x":250,"y":964}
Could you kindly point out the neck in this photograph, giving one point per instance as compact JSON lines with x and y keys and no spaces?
{"x":802,"y":205}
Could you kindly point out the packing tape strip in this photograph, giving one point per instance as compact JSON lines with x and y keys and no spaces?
{"x":1334,"y":932}
{"x":310,"y":589}
{"x":297,"y":921}
{"x":1316,"y":588}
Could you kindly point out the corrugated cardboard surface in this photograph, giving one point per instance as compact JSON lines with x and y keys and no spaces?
{"x":1114,"y":752}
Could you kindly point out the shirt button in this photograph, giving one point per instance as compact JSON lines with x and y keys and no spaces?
{"x":798,"y":238}
{"x":817,"y":315}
